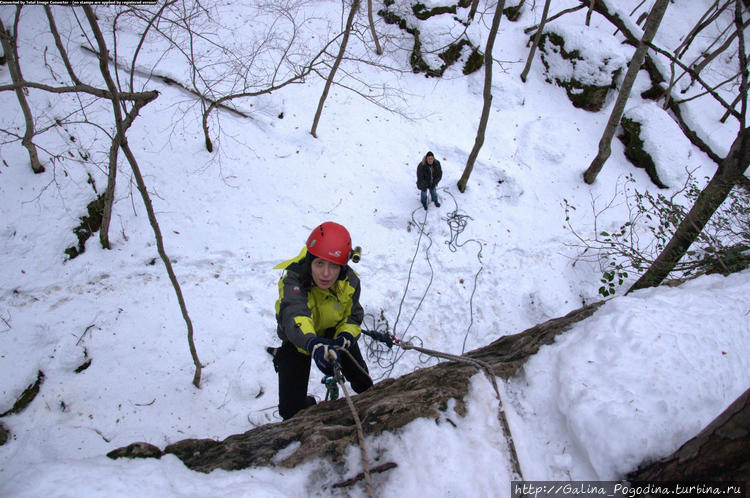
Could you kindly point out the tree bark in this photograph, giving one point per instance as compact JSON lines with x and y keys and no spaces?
{"x":588,"y":14}
{"x":337,"y":62}
{"x":473,"y":9}
{"x":327,"y":430}
{"x":378,"y":50}
{"x":109,"y":195}
{"x":720,"y":452}
{"x":729,"y":173}
{"x":10,"y":47}
{"x":537,"y":37}
{"x":605,"y":144}
{"x":706,"y":19}
{"x":717,"y":190}
{"x":60,"y":48}
{"x":479,"y":141}
{"x":122,"y":142}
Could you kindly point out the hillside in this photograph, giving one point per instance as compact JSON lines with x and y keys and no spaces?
{"x":645,"y":373}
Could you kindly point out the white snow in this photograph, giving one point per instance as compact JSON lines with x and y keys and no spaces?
{"x":596,"y":55}
{"x":674,"y":161}
{"x":634,"y":381}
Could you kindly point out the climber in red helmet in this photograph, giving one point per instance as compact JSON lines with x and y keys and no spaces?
{"x":318,"y":316}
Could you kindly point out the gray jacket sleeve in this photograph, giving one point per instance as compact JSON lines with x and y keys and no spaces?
{"x":293,"y":304}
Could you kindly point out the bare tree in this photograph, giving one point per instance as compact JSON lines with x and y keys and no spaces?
{"x":711,"y":14}
{"x":473,"y":9}
{"x":487,"y":93}
{"x":605,"y":143}
{"x":336,"y":64}
{"x":709,"y":57}
{"x":726,"y":177}
{"x":556,"y":16}
{"x":10,"y":48}
{"x":109,"y":194}
{"x":658,"y":78}
{"x":214,"y":104}
{"x":708,"y":54}
{"x":124,"y":118}
{"x":537,"y":37}
{"x":270,"y":59}
{"x":122,"y":142}
{"x":729,"y":174}
{"x":378,"y":49}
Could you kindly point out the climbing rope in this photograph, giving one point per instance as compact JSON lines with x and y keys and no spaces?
{"x":408,"y":278}
{"x":381,"y":347}
{"x":393,"y":357}
{"x":485,"y":367}
{"x":360,"y":432}
{"x":457,"y":223}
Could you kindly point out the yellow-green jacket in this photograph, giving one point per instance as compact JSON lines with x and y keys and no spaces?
{"x":305,"y":311}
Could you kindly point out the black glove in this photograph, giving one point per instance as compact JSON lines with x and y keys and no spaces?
{"x":344,"y":340}
{"x":323,"y":353}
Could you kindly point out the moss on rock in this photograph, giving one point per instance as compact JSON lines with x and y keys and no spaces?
{"x":635,"y":151}
{"x":88,"y":226}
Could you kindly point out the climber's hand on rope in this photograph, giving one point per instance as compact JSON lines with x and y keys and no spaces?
{"x":323,"y":353}
{"x":343,"y":340}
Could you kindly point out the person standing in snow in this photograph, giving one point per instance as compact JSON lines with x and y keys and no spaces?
{"x":429,"y":174}
{"x":318,"y":317}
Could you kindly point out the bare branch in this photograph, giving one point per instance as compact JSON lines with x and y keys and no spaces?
{"x":342,"y":50}
{"x":82,"y":88}
{"x":710,"y":90}
{"x":59,"y":45}
{"x":121,"y":139}
{"x":10,"y":47}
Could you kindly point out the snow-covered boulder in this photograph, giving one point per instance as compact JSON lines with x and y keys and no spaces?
{"x":646,"y":131}
{"x":583,"y":60}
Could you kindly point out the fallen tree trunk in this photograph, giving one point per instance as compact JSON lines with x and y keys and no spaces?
{"x":327,"y":430}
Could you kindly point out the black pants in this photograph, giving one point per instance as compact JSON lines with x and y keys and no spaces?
{"x":294,"y":374}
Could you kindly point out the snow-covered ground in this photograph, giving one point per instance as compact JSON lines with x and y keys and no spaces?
{"x":636,"y":380}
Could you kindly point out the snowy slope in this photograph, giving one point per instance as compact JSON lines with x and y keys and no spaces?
{"x":635,"y":381}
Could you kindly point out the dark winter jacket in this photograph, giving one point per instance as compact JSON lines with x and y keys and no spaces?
{"x":304,"y":311}
{"x":428,"y":176}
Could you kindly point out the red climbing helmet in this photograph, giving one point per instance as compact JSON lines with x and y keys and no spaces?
{"x":330,"y":241}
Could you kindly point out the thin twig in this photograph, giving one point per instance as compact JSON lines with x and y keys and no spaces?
{"x":361,"y":475}
{"x":78,"y":342}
